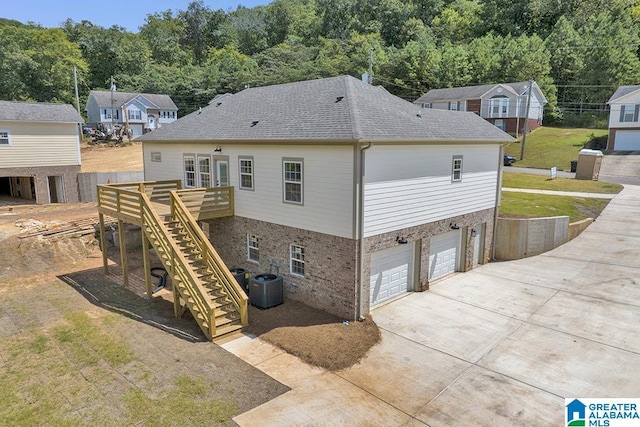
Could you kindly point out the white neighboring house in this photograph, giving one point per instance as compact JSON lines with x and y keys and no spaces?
{"x":39,"y":151}
{"x":299,"y":155}
{"x":624,"y":128}
{"x":143,"y":112}
{"x":502,"y":104}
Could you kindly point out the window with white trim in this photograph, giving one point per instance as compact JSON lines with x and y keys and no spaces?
{"x":246,"y":173}
{"x":456,"y":173}
{"x":204,"y":172}
{"x":292,"y":177}
{"x":5,"y":137}
{"x":253,"y":248}
{"x":297,"y":260}
{"x":134,"y":114}
{"x":629,"y":113}
{"x":189,"y":171}
{"x":454,"y":106}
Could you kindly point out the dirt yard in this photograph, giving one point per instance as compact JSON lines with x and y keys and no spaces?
{"x":111,"y":157}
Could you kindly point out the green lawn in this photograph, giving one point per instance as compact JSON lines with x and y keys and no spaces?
{"x":547,"y":147}
{"x":540,"y":182}
{"x":526,"y":205}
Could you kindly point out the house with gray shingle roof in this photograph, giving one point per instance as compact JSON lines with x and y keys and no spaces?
{"x":142,"y":112}
{"x":624,"y":125}
{"x":503,"y":104}
{"x":352,"y":194}
{"x":39,"y":152}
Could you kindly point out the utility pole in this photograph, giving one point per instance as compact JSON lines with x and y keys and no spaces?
{"x":371,"y":66}
{"x":75,"y":83}
{"x":113,"y":118}
{"x":526,"y":120}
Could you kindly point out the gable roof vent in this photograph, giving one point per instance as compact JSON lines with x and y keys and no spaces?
{"x":255,"y":122}
{"x":339,"y":98}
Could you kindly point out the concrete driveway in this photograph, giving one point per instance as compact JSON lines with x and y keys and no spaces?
{"x":503,"y":344}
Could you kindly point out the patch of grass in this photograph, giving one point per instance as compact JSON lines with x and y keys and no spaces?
{"x":547,"y":147}
{"x":526,"y":205}
{"x":190,"y":402}
{"x":540,"y":182}
{"x":87,"y":344}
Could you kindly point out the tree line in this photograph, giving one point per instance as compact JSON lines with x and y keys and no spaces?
{"x":578,"y":51}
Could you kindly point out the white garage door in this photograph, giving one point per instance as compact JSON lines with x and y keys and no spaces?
{"x":627,"y":140}
{"x":443,"y":255}
{"x":391,"y":272}
{"x":136,"y":129}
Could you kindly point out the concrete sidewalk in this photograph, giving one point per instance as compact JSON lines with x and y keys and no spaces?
{"x":503,"y":344}
{"x":561,"y":193}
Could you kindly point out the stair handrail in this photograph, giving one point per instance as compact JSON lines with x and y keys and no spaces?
{"x":184,"y":272}
{"x":213,"y":260}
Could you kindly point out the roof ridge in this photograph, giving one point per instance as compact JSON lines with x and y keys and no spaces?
{"x":351,"y":104}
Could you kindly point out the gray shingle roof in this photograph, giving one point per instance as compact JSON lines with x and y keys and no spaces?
{"x":38,"y":112}
{"x":622,"y":91}
{"x":103,"y":98}
{"x":467,"y":92}
{"x":341,"y":109}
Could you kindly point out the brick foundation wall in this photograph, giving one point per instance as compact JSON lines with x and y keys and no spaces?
{"x":329,"y":282}
{"x":41,"y":174}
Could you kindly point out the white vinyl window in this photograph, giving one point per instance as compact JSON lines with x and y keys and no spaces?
{"x":454,"y":106}
{"x":456,"y":174}
{"x":204,"y":172}
{"x":253,"y":248}
{"x":246,"y":173}
{"x":499,"y":106}
{"x":297,"y":260}
{"x":629,"y":113}
{"x":5,"y":137}
{"x":292,"y":181}
{"x":189,"y":171}
{"x":135,"y":114}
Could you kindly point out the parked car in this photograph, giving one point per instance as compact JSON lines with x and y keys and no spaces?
{"x":509,"y":160}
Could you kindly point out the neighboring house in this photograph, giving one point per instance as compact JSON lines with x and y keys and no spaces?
{"x":39,"y":151}
{"x":502,"y":104}
{"x":143,"y":112}
{"x":624,"y":128}
{"x":298,"y":156}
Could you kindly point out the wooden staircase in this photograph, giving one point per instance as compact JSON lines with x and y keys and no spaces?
{"x":201,"y":281}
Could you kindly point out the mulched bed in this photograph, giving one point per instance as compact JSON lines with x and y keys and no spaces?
{"x":317,"y":337}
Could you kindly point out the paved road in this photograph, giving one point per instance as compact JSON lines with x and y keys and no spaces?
{"x":503,"y":344}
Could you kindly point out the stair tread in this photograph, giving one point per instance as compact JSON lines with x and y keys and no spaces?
{"x":227,"y":329}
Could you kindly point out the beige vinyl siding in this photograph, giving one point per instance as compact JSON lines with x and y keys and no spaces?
{"x":40,"y":144}
{"x":327,"y":182}
{"x":411,"y":185}
{"x":400,"y":204}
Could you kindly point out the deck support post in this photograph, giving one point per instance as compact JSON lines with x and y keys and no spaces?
{"x":103,"y":245}
{"x":147,"y":266}
{"x":123,"y":252}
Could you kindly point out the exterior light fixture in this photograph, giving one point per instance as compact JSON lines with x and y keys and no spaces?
{"x":401,"y":240}
{"x":218,"y":149}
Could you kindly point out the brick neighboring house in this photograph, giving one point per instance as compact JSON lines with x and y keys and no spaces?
{"x":503,"y":104}
{"x":353,"y":195}
{"x":624,"y":126}
{"x":39,"y":151}
{"x":143,"y":112}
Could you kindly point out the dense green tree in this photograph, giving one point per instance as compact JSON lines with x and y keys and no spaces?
{"x":251,"y":29}
{"x":163,"y":33}
{"x":458,"y":22}
{"x":228,"y":70}
{"x":610,"y":54}
{"x":567,"y":66}
{"x":37,"y":64}
{"x":455,"y":69}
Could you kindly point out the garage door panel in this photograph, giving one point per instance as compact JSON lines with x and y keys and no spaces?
{"x":627,"y":140}
{"x":443,"y":257}
{"x":390,"y":273}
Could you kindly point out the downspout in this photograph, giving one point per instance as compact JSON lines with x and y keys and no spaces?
{"x":498,"y":199}
{"x":360,"y":207}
